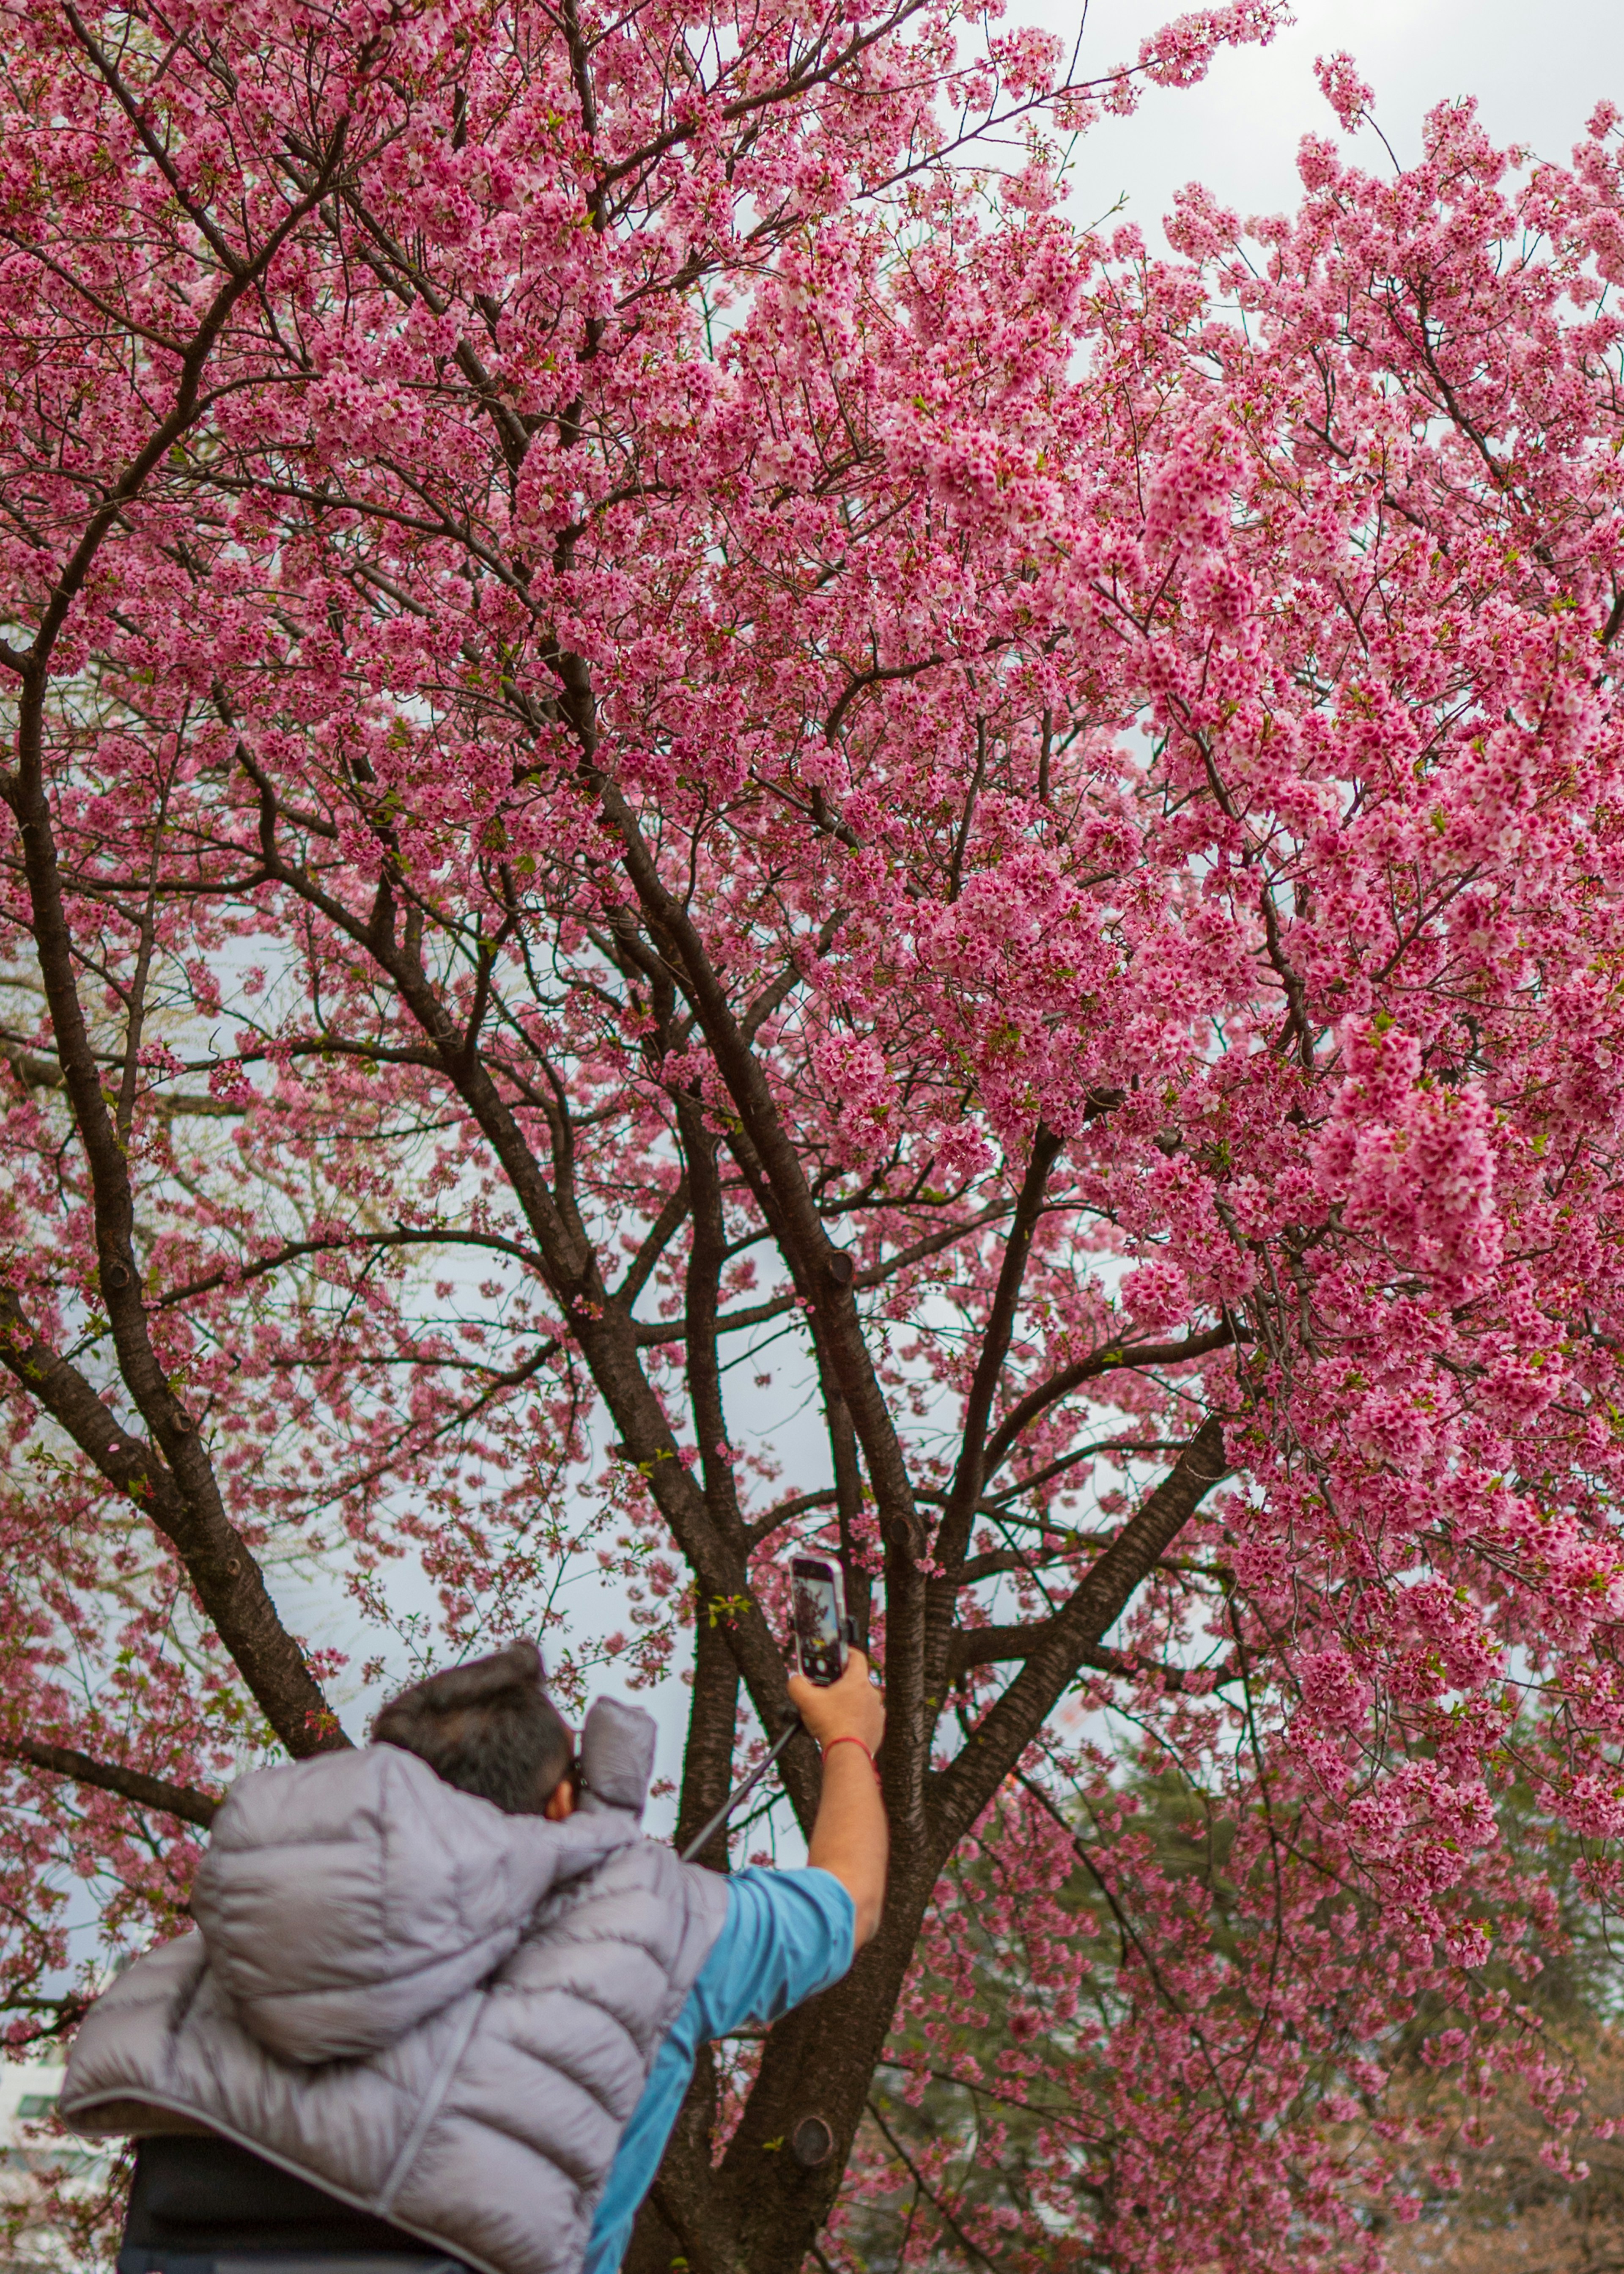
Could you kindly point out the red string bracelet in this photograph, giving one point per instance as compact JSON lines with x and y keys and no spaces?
{"x":861,"y":1748}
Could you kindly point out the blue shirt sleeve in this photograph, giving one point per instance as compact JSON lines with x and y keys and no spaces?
{"x":787,"y":1935}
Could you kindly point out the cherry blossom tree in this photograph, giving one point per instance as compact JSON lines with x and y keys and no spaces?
{"x":671,"y":748}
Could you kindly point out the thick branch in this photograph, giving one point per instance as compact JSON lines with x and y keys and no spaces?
{"x":773,"y":997}
{"x":1290,"y":980}
{"x":962,"y":1790}
{"x":293,"y":1251}
{"x":871,"y":1275}
{"x":708,"y":1756}
{"x":35,"y":1072}
{"x":1020,"y":1417}
{"x":658,"y":1237}
{"x":182,"y":1800}
{"x":220,"y":1567}
{"x":953,"y":1533}
{"x":998,"y":1646}
{"x":707,"y":1253}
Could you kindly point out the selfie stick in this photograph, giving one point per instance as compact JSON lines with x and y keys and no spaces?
{"x":738,"y":1790}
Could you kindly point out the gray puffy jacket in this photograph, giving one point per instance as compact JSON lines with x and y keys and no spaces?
{"x":442,"y":2015}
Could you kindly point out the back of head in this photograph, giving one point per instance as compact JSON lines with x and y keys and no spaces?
{"x":487,"y":1727}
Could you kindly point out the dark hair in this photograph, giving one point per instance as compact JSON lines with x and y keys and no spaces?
{"x":487,"y":1727}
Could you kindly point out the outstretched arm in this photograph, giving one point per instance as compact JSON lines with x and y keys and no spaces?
{"x":851,"y":1840}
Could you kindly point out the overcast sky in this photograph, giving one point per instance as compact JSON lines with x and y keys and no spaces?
{"x":1538,"y":72}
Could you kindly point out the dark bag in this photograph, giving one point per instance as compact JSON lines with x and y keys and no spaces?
{"x":205,"y":2206}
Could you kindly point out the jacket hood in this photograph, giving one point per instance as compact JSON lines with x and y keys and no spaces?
{"x":346,"y":1899}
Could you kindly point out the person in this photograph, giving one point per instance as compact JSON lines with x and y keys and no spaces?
{"x":443,"y":2000}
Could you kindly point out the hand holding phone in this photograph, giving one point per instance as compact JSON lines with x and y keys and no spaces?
{"x":824,"y":1632}
{"x":851,"y":1708}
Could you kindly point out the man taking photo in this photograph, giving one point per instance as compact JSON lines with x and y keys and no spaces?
{"x":443,"y":1999}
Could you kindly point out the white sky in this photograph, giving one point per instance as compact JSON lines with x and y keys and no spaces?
{"x":1538,"y":72}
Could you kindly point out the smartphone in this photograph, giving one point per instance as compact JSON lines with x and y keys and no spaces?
{"x":823,"y":1631}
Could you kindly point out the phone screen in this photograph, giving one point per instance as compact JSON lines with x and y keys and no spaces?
{"x":819,"y":1644}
